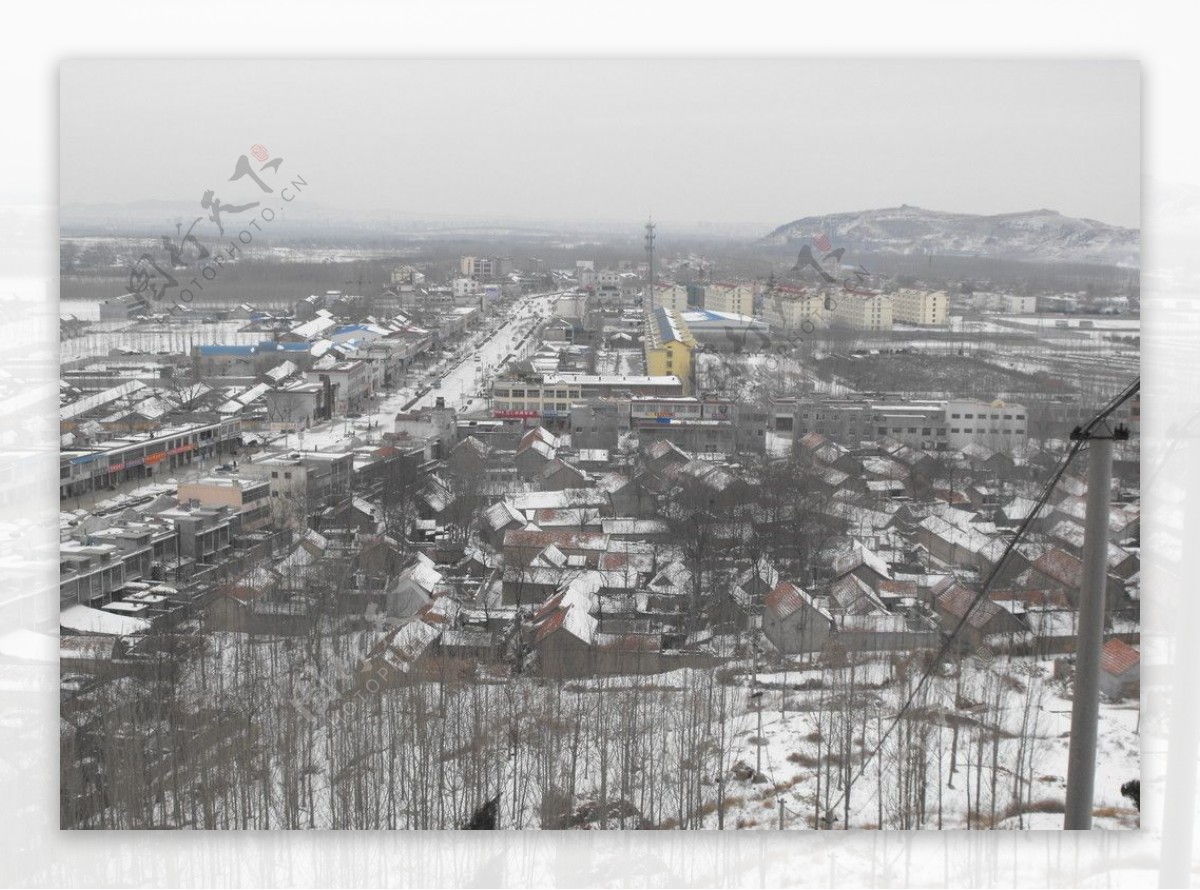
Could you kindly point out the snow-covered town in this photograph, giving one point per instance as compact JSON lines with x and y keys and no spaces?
{"x":684,"y":536}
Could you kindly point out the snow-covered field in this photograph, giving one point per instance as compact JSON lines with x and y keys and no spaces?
{"x":158,"y":338}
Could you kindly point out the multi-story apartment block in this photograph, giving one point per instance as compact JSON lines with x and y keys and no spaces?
{"x":668,"y":346}
{"x":920,"y":307}
{"x":1014,"y":304}
{"x":608,"y":285}
{"x":787,"y":308}
{"x":862,"y":311}
{"x":728,"y":297}
{"x":669,"y":296}
{"x":484,"y":268}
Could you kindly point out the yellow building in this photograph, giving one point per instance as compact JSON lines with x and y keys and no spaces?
{"x":668,"y":346}
{"x":862,"y":311}
{"x":920,"y":307}
{"x":736,"y":299}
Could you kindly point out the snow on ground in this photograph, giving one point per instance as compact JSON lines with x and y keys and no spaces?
{"x":693,"y":748}
{"x":176,"y":339}
{"x":790,"y":744}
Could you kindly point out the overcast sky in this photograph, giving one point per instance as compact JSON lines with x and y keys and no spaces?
{"x":723,"y":141}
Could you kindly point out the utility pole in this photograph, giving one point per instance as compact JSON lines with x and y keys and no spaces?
{"x":1085,"y":707}
{"x":650,"y":271}
{"x":756,"y":697}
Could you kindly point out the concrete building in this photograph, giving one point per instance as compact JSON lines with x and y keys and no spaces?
{"x":864,"y":311}
{"x":998,"y":425}
{"x":702,"y":426}
{"x":350,"y":382}
{"x":94,"y":566}
{"x":920,"y":307}
{"x":930,"y":425}
{"x":205,"y":533}
{"x":124,"y":307}
{"x":302,"y":481}
{"x":607,"y":286}
{"x":737,"y":299}
{"x":484,"y":268}
{"x":249,"y":497}
{"x":144,"y":455}
{"x":1019,"y":305}
{"x":848,"y":421}
{"x":668,"y":345}
{"x":298,"y":405}
{"x":669,"y":296}
{"x":789,"y":308}
{"x":595,"y":423}
{"x":463,"y":288}
{"x":438,"y":424}
{"x":550,"y":396}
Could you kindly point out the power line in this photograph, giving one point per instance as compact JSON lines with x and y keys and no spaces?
{"x":1078,"y":437}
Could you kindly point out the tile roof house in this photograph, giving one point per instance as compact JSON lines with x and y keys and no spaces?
{"x":1120,"y":669}
{"x":987,"y":623}
{"x":794,"y":621}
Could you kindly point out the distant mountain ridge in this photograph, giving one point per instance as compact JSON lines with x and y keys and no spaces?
{"x":1035,"y":235}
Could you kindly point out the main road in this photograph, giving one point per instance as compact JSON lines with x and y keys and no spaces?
{"x":481,"y":358}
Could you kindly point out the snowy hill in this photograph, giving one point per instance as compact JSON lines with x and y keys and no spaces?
{"x":1038,"y":235}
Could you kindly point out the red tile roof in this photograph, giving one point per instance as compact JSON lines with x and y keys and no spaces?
{"x":1054,"y":597}
{"x":956,"y":600}
{"x":1062,"y":567}
{"x":1117,"y":657}
{"x":549,"y":625}
{"x":784,"y":600}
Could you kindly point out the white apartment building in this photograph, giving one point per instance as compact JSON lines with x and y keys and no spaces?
{"x":791,"y":308}
{"x":736,"y":299}
{"x":482,"y":267}
{"x":862,"y":311}
{"x":1017,"y":305}
{"x":920,"y":307}
{"x":670,"y":296}
{"x":465,"y":287}
{"x":1012,"y":304}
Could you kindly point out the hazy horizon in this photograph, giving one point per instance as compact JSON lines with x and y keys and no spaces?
{"x":734,"y":143}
